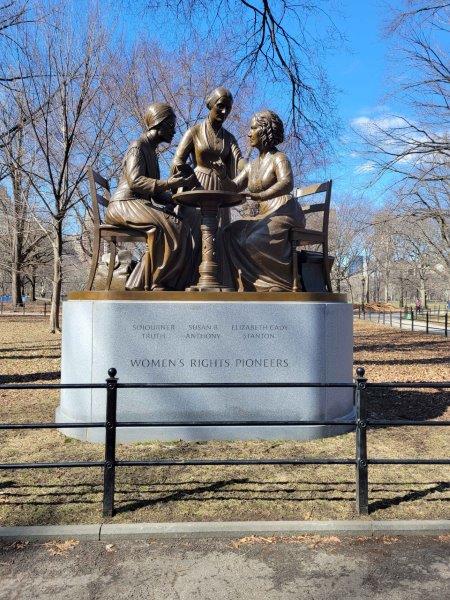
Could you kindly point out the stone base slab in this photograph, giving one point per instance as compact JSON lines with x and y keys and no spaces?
{"x":207,"y":342}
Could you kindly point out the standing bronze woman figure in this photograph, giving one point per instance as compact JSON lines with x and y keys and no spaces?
{"x":142,"y":200}
{"x":258,"y":248}
{"x":216,"y":157}
{"x":212,"y":149}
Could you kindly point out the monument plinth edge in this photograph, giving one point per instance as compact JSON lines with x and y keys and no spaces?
{"x":207,"y":296}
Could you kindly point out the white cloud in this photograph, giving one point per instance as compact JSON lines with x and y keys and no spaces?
{"x":366,"y":167}
{"x":378,"y":109}
{"x":384,"y":122}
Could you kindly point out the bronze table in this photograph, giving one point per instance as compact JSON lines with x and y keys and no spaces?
{"x":209,"y":202}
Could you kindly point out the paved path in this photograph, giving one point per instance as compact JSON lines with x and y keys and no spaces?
{"x":305,"y":567}
{"x":433,"y":328}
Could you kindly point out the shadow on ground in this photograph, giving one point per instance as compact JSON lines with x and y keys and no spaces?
{"x":31,"y":377}
{"x":415,"y":405}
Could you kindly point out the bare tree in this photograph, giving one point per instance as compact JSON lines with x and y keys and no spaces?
{"x":420,"y":11}
{"x":13,"y":14}
{"x":13,"y":162}
{"x":24,"y":246}
{"x":277,"y":43}
{"x":345,"y":230}
{"x":417,"y":257}
{"x":183,"y":79}
{"x":413,"y":152}
{"x":71,"y":121}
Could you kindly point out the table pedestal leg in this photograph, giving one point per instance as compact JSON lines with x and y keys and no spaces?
{"x":208,"y":269}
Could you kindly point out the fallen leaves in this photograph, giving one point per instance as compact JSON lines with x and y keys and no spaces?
{"x":388,"y":540}
{"x":56,"y":548}
{"x":311,"y":541}
{"x":19,"y":545}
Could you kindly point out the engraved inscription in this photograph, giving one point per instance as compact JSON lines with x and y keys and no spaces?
{"x":258,"y":331}
{"x":210,"y":363}
{"x":153,"y":331}
{"x":202,"y":331}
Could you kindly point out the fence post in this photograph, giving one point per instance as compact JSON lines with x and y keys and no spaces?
{"x":362,"y":486}
{"x":446,"y":324}
{"x":427,"y":321}
{"x":412,"y":320}
{"x":45,"y":309}
{"x":390,"y":318}
{"x":384,"y":317}
{"x":109,"y":472}
{"x":400,"y":314}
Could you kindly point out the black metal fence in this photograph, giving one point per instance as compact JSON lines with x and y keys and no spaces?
{"x":407,"y":320}
{"x":361,"y":387}
{"x":34,"y":309}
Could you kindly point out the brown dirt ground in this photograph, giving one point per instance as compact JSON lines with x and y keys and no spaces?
{"x":28,"y":353}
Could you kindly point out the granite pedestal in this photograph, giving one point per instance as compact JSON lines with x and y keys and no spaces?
{"x":245,"y":338}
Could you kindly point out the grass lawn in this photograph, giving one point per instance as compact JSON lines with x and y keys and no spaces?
{"x":28,"y":353}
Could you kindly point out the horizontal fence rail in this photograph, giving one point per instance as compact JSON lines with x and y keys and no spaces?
{"x":359,"y":425}
{"x":37,"y":308}
{"x":407,"y":319}
{"x":233,"y":385}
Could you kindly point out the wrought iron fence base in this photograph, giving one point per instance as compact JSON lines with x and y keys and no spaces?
{"x":110,"y":463}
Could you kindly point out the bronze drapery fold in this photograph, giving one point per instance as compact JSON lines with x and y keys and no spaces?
{"x":140,"y":202}
{"x":258,"y":248}
{"x":216,"y":157}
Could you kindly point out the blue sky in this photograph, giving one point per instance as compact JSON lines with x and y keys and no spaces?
{"x":357,"y":69}
{"x":360,"y":73}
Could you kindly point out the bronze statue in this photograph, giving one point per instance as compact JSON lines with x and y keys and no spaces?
{"x":212,"y":149}
{"x":258,"y":247}
{"x":217,"y":159}
{"x":142,"y":200}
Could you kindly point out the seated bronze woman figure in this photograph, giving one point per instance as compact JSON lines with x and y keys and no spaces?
{"x":142,"y":200}
{"x":258,"y":248}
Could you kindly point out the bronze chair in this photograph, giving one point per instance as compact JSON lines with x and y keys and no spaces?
{"x":308,"y":237}
{"x":112,"y":233}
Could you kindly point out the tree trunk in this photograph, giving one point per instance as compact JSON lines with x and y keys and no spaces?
{"x":16,"y":280}
{"x":422,"y":290}
{"x":33,"y":285}
{"x":376,"y":291}
{"x":350,"y":289}
{"x":18,"y":222}
{"x":57,"y":280}
{"x":16,"y":288}
{"x":387,"y":276}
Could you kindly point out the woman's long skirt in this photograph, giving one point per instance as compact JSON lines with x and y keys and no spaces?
{"x":259,"y":249}
{"x":171,"y":255}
